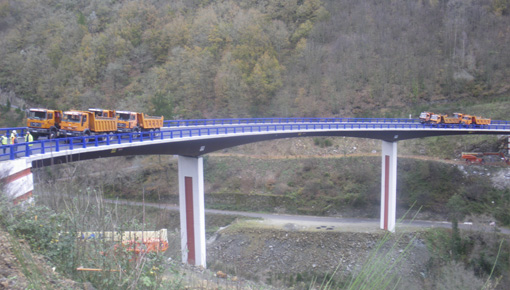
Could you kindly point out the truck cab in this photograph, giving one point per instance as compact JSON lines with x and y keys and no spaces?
{"x":425,"y":117}
{"x":86,"y":123}
{"x":44,"y":122}
{"x":467,"y":119}
{"x":75,"y":123}
{"x":126,"y":121}
{"x":437,"y":119}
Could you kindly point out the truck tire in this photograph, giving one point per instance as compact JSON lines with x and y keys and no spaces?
{"x":87,"y":136}
{"x":53,"y":133}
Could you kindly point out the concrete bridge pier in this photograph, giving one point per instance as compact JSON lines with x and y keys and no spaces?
{"x":192,"y":210}
{"x":17,"y":180}
{"x":388,"y":185}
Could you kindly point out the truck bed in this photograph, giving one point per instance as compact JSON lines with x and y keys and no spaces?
{"x":99,"y":124}
{"x":150,"y":122}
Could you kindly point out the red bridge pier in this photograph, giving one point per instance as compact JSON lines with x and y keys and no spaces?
{"x":192,"y":210}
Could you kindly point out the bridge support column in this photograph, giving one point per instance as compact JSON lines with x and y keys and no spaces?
{"x":388,"y":185}
{"x":192,"y":212}
{"x":17,"y":180}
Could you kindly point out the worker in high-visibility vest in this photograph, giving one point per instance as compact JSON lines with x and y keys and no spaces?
{"x":29,"y":138}
{"x":5,"y":141}
{"x":14,"y":140}
{"x":14,"y":137}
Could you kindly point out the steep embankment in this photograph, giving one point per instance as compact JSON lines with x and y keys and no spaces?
{"x":21,"y":269}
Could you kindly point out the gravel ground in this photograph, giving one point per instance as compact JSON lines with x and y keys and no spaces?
{"x":266,"y":250}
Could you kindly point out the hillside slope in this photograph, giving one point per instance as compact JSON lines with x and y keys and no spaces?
{"x":224,"y":58}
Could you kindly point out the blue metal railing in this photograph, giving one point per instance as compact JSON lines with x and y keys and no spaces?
{"x":176,"y":130}
{"x":241,"y":121}
{"x":19,"y":130}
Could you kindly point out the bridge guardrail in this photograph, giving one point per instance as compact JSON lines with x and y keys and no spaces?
{"x":241,"y":121}
{"x":57,"y":145}
{"x":20,"y":130}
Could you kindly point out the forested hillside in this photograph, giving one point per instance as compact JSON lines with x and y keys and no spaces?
{"x":225,"y":58}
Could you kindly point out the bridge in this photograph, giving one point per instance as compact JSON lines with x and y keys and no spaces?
{"x":191,"y":139}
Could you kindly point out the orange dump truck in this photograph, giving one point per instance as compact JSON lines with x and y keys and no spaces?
{"x":137,"y":122}
{"x":44,"y":122}
{"x":468,"y":120}
{"x":437,"y":119}
{"x":86,"y":123}
{"x":455,"y":119}
{"x":425,"y":117}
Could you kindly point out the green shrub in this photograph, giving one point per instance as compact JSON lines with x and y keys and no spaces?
{"x":54,"y":235}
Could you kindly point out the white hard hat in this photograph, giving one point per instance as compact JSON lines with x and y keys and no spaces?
{"x":13,"y":131}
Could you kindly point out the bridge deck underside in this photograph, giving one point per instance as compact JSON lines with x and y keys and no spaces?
{"x":206,"y":144}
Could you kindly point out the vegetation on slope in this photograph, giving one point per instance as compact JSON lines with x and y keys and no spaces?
{"x":224,"y":58}
{"x":54,"y":234}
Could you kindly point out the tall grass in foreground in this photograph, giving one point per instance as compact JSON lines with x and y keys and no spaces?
{"x":55,"y":235}
{"x":489,"y":284}
{"x":380,"y":270}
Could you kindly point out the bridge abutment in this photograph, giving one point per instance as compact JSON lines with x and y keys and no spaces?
{"x":192,"y":210}
{"x":388,"y":185}
{"x":17,"y":180}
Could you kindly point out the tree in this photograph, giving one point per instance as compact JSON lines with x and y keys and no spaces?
{"x":264,"y":81}
{"x":456,"y":206}
{"x":230,"y":88}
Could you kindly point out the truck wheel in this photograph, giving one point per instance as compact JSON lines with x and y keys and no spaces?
{"x":111,"y":136}
{"x":53,"y":134}
{"x":36,"y":136}
{"x":87,"y":137}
